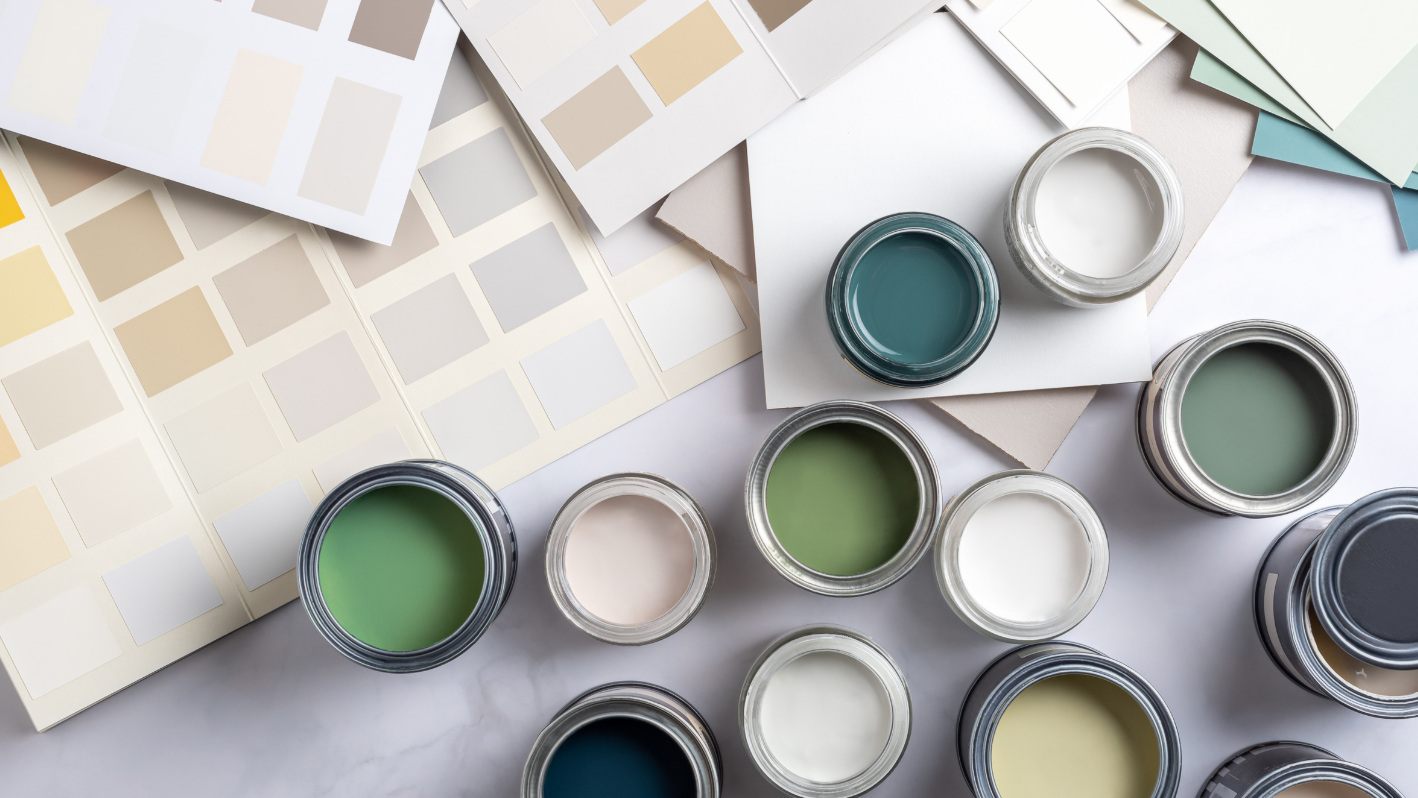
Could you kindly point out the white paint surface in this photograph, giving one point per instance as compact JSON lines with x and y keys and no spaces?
{"x":629,"y":559}
{"x":1099,"y":212}
{"x":1024,"y":557}
{"x":825,"y":716}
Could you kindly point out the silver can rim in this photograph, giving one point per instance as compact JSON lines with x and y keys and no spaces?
{"x":649,"y":703}
{"x":927,"y":485}
{"x":1325,"y":766}
{"x":956,"y":517}
{"x":701,"y":537}
{"x":847,"y":642}
{"x":1164,"y":448}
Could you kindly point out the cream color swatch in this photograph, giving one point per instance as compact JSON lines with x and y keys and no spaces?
{"x":223,"y":437}
{"x":596,"y":117}
{"x":60,"y":641}
{"x":29,"y":538}
{"x":349,"y":146}
{"x":30,"y":296}
{"x":615,"y":10}
{"x":60,"y":53}
{"x":1064,"y":40}
{"x":63,"y":173}
{"x":173,"y":341}
{"x":124,"y":246}
{"x":687,"y":53}
{"x":541,"y":37}
{"x":110,"y":494}
{"x":62,"y":394}
{"x":251,"y":120}
{"x":271,"y":290}
{"x":9,"y":452}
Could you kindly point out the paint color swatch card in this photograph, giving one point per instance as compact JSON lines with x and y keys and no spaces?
{"x":183,"y":377}
{"x":316,"y":109}
{"x":880,"y":141}
{"x":630,"y":98}
{"x":1072,"y":55}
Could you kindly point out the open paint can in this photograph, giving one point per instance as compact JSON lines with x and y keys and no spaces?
{"x":404,"y":566}
{"x":630,"y":558}
{"x":1095,"y":216}
{"x":1053,"y":719}
{"x":1022,"y":556}
{"x":625,"y":739}
{"x":1254,"y":418}
{"x":843,"y":498}
{"x":1335,"y":606}
{"x":912,"y":300}
{"x":1294,"y":770}
{"x":825,"y":713}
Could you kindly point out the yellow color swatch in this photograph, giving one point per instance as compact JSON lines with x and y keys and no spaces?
{"x":9,"y":207}
{"x":173,"y":341}
{"x":30,"y":296}
{"x":9,"y":452}
{"x":689,"y":51}
{"x":615,"y":10}
{"x":29,"y":537}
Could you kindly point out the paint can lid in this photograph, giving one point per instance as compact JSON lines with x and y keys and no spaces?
{"x":1364,"y":579}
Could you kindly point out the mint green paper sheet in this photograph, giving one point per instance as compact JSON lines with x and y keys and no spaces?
{"x":1405,"y":201}
{"x":1382,"y":131}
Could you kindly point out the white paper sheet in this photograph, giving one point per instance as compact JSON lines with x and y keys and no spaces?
{"x":885,"y":139}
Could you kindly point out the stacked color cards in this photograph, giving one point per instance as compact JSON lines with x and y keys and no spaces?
{"x":312,"y":108}
{"x":184,"y":377}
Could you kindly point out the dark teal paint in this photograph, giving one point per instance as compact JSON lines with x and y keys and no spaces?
{"x":913,"y":297}
{"x":619,"y":758}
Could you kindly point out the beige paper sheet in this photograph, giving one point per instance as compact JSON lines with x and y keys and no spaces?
{"x":713,"y":210}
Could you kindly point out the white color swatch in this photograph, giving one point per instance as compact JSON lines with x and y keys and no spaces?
{"x":386,"y":447}
{"x":263,"y":536}
{"x":59,"y":641}
{"x":461,"y":428}
{"x":540,"y":38}
{"x":112,"y":493}
{"x":578,"y":374}
{"x":639,"y":240}
{"x":152,"y":95}
{"x":54,"y":70}
{"x":162,"y":590}
{"x":885,"y":138}
{"x":321,"y":386}
{"x":686,"y":316}
{"x":1069,"y":41}
{"x":223,"y":437}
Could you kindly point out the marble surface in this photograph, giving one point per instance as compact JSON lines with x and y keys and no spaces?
{"x":271,"y":710}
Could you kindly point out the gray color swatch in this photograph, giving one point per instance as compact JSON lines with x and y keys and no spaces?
{"x":478,"y":182}
{"x":578,"y":374}
{"x":482,"y":423}
{"x":429,"y":328}
{"x":271,"y":290}
{"x":461,"y":91}
{"x":305,"y":13}
{"x":210,"y":217}
{"x":636,"y":241}
{"x":366,"y":260}
{"x":394,"y":26}
{"x":321,"y":386}
{"x":528,"y":277}
{"x":62,"y":394}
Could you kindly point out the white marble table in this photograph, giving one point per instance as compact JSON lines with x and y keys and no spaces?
{"x":272,"y":710}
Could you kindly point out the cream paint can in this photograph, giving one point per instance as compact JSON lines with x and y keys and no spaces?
{"x":1294,"y":770}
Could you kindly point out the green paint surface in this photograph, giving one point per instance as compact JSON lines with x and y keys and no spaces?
{"x":913,"y":297}
{"x":1257,"y":418}
{"x":842,"y":499}
{"x":401,"y":568}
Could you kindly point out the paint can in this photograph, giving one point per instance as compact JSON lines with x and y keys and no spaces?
{"x":630,"y":558}
{"x":1286,"y":769}
{"x":842,"y":498}
{"x":1319,"y":597}
{"x":1022,"y":556}
{"x":1012,"y":695}
{"x":1096,"y":257}
{"x":912,"y":300}
{"x":351,"y":536}
{"x":612,"y":734}
{"x":1254,"y":418}
{"x":825,"y":713}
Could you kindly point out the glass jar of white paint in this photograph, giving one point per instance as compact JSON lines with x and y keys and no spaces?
{"x":1095,"y":216}
{"x":1286,"y":769}
{"x":1022,"y":556}
{"x":630,"y":558}
{"x":825,"y":713}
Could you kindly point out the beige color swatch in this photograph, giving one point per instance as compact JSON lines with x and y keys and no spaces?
{"x":110,"y":494}
{"x":271,"y":290}
{"x":223,"y":437}
{"x":776,"y":12}
{"x":349,"y":146}
{"x":29,"y":538}
{"x":9,"y":452}
{"x":63,"y":41}
{"x":615,"y":10}
{"x":305,"y":13}
{"x":251,"y":120}
{"x":597,"y":117}
{"x":62,"y":394}
{"x":173,"y":341}
{"x":59,"y":641}
{"x":209,"y":217}
{"x":30,"y":296}
{"x":366,"y":260}
{"x":687,"y":53}
{"x":394,"y":26}
{"x":713,"y":210}
{"x":321,"y":386}
{"x":124,"y":246}
{"x":63,"y":173}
